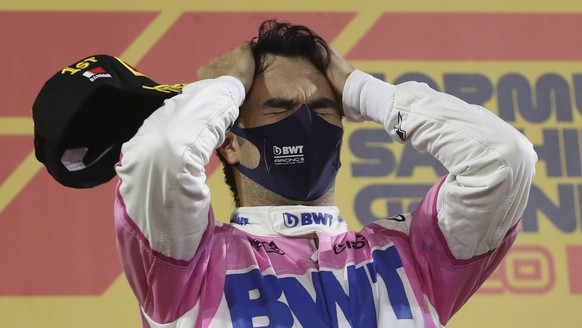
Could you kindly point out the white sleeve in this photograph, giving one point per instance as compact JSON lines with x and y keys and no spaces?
{"x":491,"y":165}
{"x":161,"y":171}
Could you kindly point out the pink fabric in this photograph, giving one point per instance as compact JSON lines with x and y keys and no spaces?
{"x":165,"y":287}
{"x":448,"y":282}
{"x":168,"y":288}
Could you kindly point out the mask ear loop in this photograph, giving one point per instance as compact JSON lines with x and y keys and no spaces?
{"x":338,"y":163}
{"x":267,"y":166}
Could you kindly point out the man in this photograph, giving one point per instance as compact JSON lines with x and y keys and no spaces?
{"x":287,"y":258}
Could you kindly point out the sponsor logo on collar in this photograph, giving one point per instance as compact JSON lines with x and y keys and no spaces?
{"x":240,"y":220}
{"x":307,"y":218}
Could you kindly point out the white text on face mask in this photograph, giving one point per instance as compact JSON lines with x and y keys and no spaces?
{"x":288,"y":155}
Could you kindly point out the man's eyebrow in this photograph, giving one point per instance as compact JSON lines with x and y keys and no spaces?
{"x":278,"y":102}
{"x":321,"y":102}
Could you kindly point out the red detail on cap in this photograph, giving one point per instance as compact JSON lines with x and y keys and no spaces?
{"x":98,"y":70}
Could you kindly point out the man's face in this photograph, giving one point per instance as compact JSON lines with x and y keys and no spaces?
{"x":283,"y":87}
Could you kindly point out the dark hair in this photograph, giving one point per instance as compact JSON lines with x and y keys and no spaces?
{"x":286,"y":40}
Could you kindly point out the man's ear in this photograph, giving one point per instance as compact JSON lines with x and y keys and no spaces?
{"x":230,"y":148}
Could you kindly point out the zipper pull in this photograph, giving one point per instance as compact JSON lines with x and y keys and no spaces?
{"x":314,"y":257}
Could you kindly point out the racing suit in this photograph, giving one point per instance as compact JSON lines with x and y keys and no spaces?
{"x":299,"y":266}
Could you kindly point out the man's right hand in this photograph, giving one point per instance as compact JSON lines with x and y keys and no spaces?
{"x":238,"y":62}
{"x":338,"y":71}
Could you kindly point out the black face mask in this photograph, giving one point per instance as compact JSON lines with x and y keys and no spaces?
{"x":300,"y":155}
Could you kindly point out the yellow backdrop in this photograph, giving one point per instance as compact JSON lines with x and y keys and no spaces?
{"x":521,"y":59}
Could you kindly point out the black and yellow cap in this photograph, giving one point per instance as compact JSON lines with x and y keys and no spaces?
{"x":85,"y":112}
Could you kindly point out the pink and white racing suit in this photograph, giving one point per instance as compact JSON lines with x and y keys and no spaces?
{"x":299,"y":266}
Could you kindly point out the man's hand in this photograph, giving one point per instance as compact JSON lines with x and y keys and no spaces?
{"x":337,"y":73}
{"x":238,"y":62}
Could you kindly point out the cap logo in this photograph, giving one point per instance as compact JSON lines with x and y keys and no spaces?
{"x":96,"y":73}
{"x":83,"y":64}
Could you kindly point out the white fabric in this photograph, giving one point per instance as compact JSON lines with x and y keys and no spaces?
{"x":491,"y":164}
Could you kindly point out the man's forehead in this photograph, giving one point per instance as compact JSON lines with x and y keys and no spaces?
{"x":275,"y":63}
{"x":288,"y":79}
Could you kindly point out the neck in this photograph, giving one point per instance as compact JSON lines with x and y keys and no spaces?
{"x":253,"y":194}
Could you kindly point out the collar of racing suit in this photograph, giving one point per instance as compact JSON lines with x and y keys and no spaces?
{"x":293,"y":221}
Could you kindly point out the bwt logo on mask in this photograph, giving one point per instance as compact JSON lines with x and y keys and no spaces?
{"x":307,"y":218}
{"x":288,"y":150}
{"x":288,"y":155}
